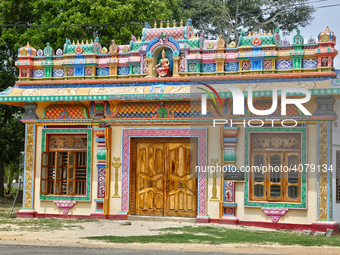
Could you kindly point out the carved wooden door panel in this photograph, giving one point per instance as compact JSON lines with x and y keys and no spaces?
{"x":150,"y":179}
{"x":180,"y":184}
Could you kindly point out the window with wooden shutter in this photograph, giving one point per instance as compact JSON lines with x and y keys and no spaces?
{"x":275,"y":162}
{"x":71,"y":178}
{"x":293,"y":177}
{"x":258,"y":177}
{"x":64,"y":166}
{"x":59,"y":173}
{"x":274,"y":187}
{"x":44,"y":173}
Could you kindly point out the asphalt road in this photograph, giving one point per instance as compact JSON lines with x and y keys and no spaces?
{"x":70,"y":250}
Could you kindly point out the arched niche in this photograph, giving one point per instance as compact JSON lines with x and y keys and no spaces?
{"x":157,"y":55}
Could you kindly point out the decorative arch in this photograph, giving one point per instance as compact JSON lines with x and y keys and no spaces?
{"x":156,"y":53}
{"x":157,"y":42}
{"x":154,"y":48}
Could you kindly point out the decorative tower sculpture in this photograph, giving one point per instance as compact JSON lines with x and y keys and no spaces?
{"x":326,"y":51}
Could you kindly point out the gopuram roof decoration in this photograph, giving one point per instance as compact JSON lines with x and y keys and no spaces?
{"x":185,"y":54}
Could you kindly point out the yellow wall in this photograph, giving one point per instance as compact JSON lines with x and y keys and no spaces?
{"x":214,"y":151}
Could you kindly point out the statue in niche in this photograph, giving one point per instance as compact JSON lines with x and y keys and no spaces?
{"x":164,"y":65}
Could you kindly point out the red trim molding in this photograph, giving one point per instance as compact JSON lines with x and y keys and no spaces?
{"x":315,"y":226}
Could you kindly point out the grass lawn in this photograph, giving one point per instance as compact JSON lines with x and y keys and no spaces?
{"x":11,"y":223}
{"x":219,"y":235}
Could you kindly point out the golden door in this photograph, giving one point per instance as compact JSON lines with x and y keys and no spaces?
{"x":181,"y":186}
{"x":164,"y":185}
{"x":150,"y":179}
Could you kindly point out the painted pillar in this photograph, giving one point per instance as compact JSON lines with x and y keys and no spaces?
{"x":150,"y":67}
{"x":28,"y":210}
{"x":324,"y":112}
{"x":228,"y":204}
{"x":30,"y":116}
{"x":101,"y":168}
{"x":176,"y":66}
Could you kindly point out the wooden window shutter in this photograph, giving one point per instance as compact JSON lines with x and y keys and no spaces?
{"x":275,"y":177}
{"x":44,"y":173}
{"x":293,"y":177}
{"x":257,"y":178}
{"x":59,"y":173}
{"x":71,"y":173}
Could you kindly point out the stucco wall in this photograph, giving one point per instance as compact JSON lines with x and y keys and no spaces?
{"x":214,"y":151}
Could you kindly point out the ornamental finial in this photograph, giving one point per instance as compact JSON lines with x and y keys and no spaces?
{"x":155,"y":25}
{"x":181,"y":23}
{"x":327,"y":29}
{"x":161,"y":26}
{"x":174,"y":24}
{"x":168,"y":24}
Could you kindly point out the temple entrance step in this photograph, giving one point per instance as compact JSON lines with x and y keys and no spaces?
{"x":161,"y":218}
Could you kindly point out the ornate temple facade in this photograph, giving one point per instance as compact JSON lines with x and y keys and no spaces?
{"x":117,"y":132}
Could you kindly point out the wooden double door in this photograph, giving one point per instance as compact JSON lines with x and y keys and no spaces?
{"x":164,"y":183}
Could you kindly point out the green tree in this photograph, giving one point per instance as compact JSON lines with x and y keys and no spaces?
{"x":228,"y":17}
{"x":42,"y":21}
{"x":12,"y":172}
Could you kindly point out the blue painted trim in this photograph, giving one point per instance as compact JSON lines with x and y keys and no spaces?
{"x":99,"y":200}
{"x":100,"y":140}
{"x":230,"y":140}
{"x":174,"y":42}
{"x":151,"y":43}
{"x":317,"y":176}
{"x":121,"y":177}
{"x":33,"y":167}
{"x":328,"y":174}
{"x":225,"y":204}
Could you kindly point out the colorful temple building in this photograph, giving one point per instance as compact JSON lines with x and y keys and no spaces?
{"x":112,"y":133}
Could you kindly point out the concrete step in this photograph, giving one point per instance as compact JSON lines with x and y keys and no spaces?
{"x":161,"y":218}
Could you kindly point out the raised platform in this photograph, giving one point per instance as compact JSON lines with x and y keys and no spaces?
{"x":160,"y":218}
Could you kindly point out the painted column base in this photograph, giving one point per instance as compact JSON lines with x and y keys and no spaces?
{"x":231,"y":220}
{"x":98,"y":215}
{"x":121,"y":216}
{"x":203,"y":218}
{"x":322,"y":226}
{"x":26,"y":213}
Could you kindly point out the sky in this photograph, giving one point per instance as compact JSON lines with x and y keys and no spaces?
{"x":324,"y":17}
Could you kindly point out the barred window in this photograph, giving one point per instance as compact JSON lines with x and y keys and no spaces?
{"x":276,"y":158}
{"x":63,"y":166}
